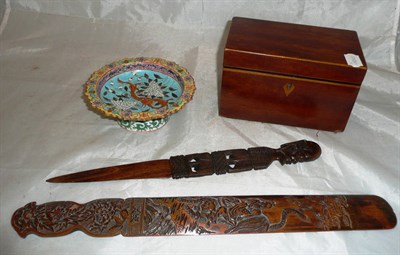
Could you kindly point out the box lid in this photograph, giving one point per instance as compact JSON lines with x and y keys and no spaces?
{"x":296,"y":50}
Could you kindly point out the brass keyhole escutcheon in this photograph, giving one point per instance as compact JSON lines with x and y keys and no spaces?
{"x":288,"y":88}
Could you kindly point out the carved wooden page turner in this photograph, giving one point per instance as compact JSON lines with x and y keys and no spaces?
{"x":201,"y":164}
{"x":205,"y":215}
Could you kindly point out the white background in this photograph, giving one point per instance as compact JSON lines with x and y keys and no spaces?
{"x":48,"y":49}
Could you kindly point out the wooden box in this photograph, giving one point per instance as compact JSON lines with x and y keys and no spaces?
{"x":291,"y":74}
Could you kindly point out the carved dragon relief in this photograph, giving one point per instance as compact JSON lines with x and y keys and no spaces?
{"x":231,"y":215}
{"x":184,"y":216}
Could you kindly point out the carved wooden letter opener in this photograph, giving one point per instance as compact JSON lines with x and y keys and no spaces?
{"x":205,"y":215}
{"x":201,"y":164}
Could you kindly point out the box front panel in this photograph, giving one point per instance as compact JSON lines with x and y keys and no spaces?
{"x":286,"y":100}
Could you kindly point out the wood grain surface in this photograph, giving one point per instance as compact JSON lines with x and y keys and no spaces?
{"x":290,"y":74}
{"x":205,"y":215}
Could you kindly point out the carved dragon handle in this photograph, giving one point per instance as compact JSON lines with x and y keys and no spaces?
{"x":232,"y":161}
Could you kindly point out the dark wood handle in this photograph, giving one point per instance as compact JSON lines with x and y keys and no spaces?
{"x":232,"y":161}
{"x":205,"y":215}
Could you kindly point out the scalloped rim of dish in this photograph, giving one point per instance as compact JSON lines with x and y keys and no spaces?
{"x":96,"y":102}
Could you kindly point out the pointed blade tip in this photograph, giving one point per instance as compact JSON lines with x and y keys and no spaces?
{"x":56,"y":179}
{"x":52,"y":180}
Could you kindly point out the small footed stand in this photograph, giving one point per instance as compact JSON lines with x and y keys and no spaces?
{"x":143,"y":126}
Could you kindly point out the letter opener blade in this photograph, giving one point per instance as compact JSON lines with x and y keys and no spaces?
{"x":201,"y":164}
